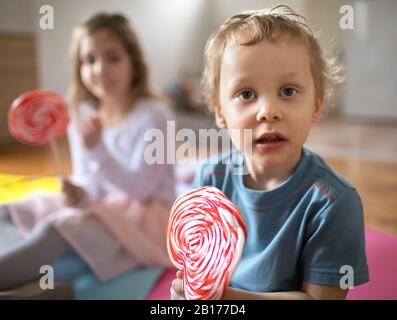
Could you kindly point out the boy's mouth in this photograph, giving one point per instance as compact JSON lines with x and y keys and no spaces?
{"x":270,"y":138}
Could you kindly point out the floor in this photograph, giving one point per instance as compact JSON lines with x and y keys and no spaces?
{"x":366,"y":154}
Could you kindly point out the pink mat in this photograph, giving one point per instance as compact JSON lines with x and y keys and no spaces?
{"x":382,"y":261}
{"x":161,"y":291}
{"x":382,"y":264}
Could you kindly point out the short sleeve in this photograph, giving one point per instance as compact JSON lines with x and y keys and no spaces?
{"x":202,"y":177}
{"x":197,"y":178}
{"x":335,"y":242}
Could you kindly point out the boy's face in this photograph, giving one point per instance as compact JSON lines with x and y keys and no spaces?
{"x":268,"y":87}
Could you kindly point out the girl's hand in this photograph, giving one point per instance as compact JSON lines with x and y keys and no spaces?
{"x":74,"y":195}
{"x":177,"y":287}
{"x":91,"y":131}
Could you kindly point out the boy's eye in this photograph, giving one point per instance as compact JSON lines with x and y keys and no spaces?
{"x":288,"y":92}
{"x":246,"y":95}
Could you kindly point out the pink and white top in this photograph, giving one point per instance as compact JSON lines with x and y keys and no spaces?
{"x":117,"y":164}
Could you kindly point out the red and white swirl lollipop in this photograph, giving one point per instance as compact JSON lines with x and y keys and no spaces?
{"x":205,"y":238}
{"x":37,"y":116}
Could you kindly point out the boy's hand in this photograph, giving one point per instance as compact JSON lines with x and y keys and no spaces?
{"x":91,"y":131}
{"x":74,"y":195}
{"x":177,"y":287}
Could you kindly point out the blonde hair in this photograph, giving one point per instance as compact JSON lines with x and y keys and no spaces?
{"x":272,"y":24}
{"x":118,"y":25}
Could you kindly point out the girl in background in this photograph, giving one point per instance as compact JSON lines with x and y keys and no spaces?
{"x":114,"y":208}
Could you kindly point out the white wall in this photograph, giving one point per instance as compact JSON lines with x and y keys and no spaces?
{"x":222,"y":9}
{"x":324,"y":16}
{"x":16,"y":16}
{"x":167,"y":30}
{"x":371,"y":57}
{"x":173,"y":33}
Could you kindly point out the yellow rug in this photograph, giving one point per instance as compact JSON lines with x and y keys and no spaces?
{"x":13,"y":187}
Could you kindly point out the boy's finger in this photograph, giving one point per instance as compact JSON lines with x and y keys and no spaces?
{"x":177,"y":285}
{"x":179,"y":274}
{"x":175,"y":295}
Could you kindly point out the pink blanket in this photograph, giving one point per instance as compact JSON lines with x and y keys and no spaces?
{"x":113,"y":236}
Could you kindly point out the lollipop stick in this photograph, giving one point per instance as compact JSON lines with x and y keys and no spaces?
{"x":56,"y":155}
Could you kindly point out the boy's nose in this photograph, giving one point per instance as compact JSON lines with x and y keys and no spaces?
{"x":269,"y":112}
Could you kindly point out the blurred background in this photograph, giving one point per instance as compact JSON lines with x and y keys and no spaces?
{"x":358,"y":137}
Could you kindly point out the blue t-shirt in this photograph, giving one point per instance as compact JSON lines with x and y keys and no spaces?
{"x":306,"y":229}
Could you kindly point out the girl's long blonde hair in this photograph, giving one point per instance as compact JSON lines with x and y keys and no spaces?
{"x":118,"y":25}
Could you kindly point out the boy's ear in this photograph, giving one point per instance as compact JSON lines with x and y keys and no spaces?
{"x":219,"y":118}
{"x":318,"y":111}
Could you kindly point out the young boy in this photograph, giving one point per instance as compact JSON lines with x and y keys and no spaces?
{"x":266,"y":72}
